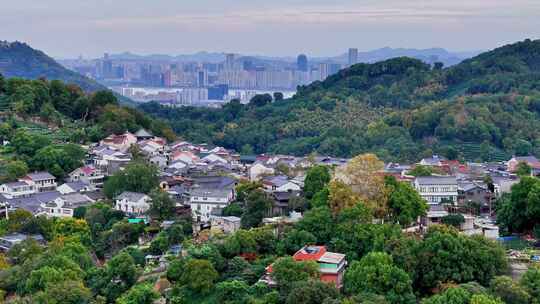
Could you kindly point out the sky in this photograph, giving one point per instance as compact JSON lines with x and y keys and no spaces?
{"x":69,"y":28}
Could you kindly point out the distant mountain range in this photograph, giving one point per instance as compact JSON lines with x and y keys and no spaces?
{"x":18,"y":59}
{"x":426,"y":55}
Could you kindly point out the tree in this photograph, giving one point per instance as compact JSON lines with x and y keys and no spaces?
{"x":446,"y":256}
{"x":376,"y":273}
{"x":320,"y":222}
{"x":531,"y":282}
{"x":16,"y":169}
{"x":455,"y":295}
{"x":64,"y":292}
{"x":519,"y":211}
{"x":509,"y":291}
{"x":260,"y":100}
{"x":278,"y":96}
{"x":199,"y":276}
{"x":296,"y":239}
{"x":58,"y":159}
{"x":453,"y":220}
{"x":523,"y":169}
{"x":405,"y":205}
{"x":257,"y":207}
{"x":162,"y":206}
{"x":421,"y":170}
{"x":341,"y":196}
{"x":317,"y":178}
{"x":363,"y":174}
{"x":139,"y":294}
{"x":232,"y":291}
{"x":136,"y":177}
{"x":311,"y":292}
{"x":286,"y":271}
{"x":233,"y":209}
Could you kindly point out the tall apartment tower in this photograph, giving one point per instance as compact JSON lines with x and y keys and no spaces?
{"x":302,"y":63}
{"x":229,"y":62}
{"x":353,"y":56}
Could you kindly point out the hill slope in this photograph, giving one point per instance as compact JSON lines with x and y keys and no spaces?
{"x":18,"y":59}
{"x":485,"y":108}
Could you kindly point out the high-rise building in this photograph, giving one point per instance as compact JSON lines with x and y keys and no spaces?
{"x":229,"y":62}
{"x":302,"y":63}
{"x":353,"y":56}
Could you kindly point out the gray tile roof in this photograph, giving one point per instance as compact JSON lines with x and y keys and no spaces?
{"x":131,"y":196}
{"x":40,"y":176}
{"x":437,"y":180}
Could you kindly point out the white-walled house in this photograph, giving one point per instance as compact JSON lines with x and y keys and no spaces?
{"x":258,"y":170}
{"x":280,"y":183}
{"x":88,"y":175}
{"x":132,"y":202}
{"x":74,"y":187}
{"x":17,"y":189}
{"x":65,"y":205}
{"x":204,"y":200}
{"x":436,"y":189}
{"x":42,"y":181}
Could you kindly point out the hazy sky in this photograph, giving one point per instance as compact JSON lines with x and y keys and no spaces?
{"x":67,"y":28}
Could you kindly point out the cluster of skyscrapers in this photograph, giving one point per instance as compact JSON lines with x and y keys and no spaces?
{"x":192,"y":82}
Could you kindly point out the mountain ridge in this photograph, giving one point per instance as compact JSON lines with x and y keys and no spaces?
{"x":401,"y":108}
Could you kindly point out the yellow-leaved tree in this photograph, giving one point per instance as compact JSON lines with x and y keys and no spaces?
{"x":364,"y":174}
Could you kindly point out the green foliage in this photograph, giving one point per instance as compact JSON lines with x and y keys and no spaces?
{"x":161,"y":206}
{"x":519,"y":211}
{"x":446,"y":256}
{"x":404,"y":203}
{"x":531,"y":282}
{"x":376,"y":273}
{"x":139,"y":294}
{"x":16,"y":169}
{"x":453,"y":220}
{"x":509,"y":291}
{"x":198,"y":276}
{"x":136,"y":177}
{"x":286,"y":271}
{"x":311,"y":292}
{"x":257,"y":207}
{"x":523,"y":169}
{"x":232,"y":291}
{"x":59,"y":160}
{"x":317,"y":178}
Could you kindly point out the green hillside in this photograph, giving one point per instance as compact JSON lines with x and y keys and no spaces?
{"x":18,"y":59}
{"x":485,"y":108}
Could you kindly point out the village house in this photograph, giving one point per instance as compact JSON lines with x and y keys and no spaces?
{"x":437,"y":189}
{"x":8,"y":241}
{"x":74,"y":187}
{"x":120,"y":142}
{"x":17,"y":189}
{"x":132,"y":203}
{"x":88,"y":175}
{"x":42,"y":181}
{"x":225,"y":224}
{"x":65,"y":205}
{"x":259,"y":170}
{"x":279,"y":183}
{"x":513,"y":163}
{"x":204,"y":201}
{"x":331,"y":265}
{"x":142,"y":134}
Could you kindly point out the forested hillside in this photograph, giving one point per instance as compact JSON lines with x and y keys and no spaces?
{"x":18,"y":59}
{"x":485,"y":108}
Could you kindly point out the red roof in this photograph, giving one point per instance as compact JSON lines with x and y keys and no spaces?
{"x":310,"y":253}
{"x":88,"y":170}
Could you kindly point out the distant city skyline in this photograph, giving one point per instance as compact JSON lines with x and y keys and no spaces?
{"x":317,"y":28}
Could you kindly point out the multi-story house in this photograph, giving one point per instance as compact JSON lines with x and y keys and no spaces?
{"x":65,"y":205}
{"x":42,"y":181}
{"x":17,"y":189}
{"x":205,"y":201}
{"x":132,"y":203}
{"x":331,"y":265}
{"x":88,"y":175}
{"x":437,"y":189}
